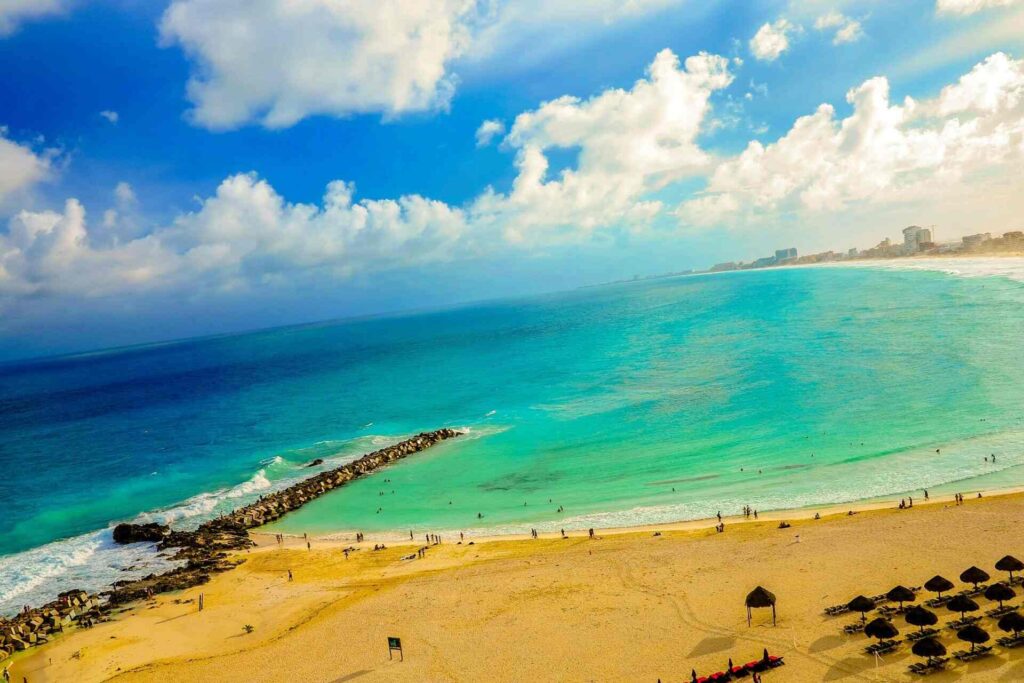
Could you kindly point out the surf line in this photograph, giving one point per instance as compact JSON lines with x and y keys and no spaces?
{"x":205,"y":551}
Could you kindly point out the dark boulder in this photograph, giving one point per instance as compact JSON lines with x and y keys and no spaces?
{"x":318,"y":461}
{"x":139,"y":533}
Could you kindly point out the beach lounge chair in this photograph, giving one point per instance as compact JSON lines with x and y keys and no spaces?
{"x":1000,"y":611}
{"x":881,"y":597}
{"x":836,"y":610}
{"x":882,"y":647}
{"x":958,"y":624}
{"x":971,"y":655}
{"x":937,"y":602}
{"x":931,"y":666}
{"x":971,"y":592}
{"x":1011,"y":641}
{"x":856,"y":627}
{"x":918,"y":635}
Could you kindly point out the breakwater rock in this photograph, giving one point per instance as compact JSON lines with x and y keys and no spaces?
{"x":205,"y":551}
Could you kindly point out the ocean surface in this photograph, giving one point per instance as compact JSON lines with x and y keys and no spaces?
{"x":631,"y":403}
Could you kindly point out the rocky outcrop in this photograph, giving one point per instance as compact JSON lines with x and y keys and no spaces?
{"x":139,"y":533}
{"x":206,"y":550}
{"x":314,"y":463}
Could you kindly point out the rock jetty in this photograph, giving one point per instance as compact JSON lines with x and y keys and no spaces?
{"x":205,"y":551}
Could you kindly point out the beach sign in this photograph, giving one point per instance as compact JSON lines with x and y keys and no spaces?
{"x":395,"y":644}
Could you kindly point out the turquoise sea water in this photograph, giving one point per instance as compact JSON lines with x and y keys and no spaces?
{"x":642,"y":402}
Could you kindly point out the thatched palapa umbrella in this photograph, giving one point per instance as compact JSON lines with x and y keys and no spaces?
{"x":1014,"y":621}
{"x":758,"y":598}
{"x":999,"y":592}
{"x":938,"y":584}
{"x":880,"y":628}
{"x":928,"y":647}
{"x":974,"y":575}
{"x":1010,"y":564}
{"x":919,"y":616}
{"x":901,"y":594}
{"x":861,"y":604}
{"x":973,"y":635}
{"x":962,"y":604}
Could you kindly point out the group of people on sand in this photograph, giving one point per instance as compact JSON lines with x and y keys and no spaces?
{"x":748,"y":512}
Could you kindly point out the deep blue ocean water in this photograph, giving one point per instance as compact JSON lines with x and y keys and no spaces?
{"x":650,"y":401}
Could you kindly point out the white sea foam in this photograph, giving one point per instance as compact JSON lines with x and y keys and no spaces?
{"x":91,"y":562}
{"x":1009,"y":267}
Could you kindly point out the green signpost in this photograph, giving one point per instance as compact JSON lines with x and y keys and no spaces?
{"x":395,"y":644}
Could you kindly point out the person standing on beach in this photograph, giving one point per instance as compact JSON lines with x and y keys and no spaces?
{"x":289,"y":574}
{"x":926,"y":494}
{"x":719,"y":515}
{"x":200,"y":602}
{"x":591,"y":534}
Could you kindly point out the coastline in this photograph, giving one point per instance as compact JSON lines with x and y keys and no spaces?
{"x":467,"y":612}
{"x":395,"y":537}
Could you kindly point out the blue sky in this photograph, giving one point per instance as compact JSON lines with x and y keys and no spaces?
{"x":177,"y":168}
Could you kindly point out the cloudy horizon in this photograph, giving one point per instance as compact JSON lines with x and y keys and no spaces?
{"x":277,"y":164}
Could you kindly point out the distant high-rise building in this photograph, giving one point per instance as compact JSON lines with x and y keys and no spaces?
{"x":914,"y":236}
{"x":782,"y":255}
{"x":975,"y":240}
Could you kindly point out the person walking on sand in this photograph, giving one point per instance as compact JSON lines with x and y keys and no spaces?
{"x":719,"y":515}
{"x":309,"y":546}
{"x":926,"y":494}
{"x":7,"y":673}
{"x":563,"y":533}
{"x":200,"y":602}
{"x":289,"y":574}
{"x":591,"y":534}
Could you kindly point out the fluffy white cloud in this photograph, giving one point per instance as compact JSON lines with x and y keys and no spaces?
{"x":629,"y":143}
{"x":246,"y":233}
{"x":14,"y":12}
{"x":49,"y":252}
{"x":881,"y":153}
{"x":964,"y":7}
{"x":771,"y":40}
{"x":110,"y":116}
{"x":20,"y":167}
{"x":489,"y":130}
{"x":277,"y":61}
{"x":847,"y":30}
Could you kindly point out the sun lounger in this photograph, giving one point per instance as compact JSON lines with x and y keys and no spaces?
{"x":971,"y":655}
{"x":918,"y":635}
{"x":958,"y":624}
{"x":836,"y":610}
{"x":882,"y":647}
{"x":1011,"y":641}
{"x":855,"y":627}
{"x":937,"y":602}
{"x":1000,"y":611}
{"x":889,"y":610}
{"x":932,"y":665}
{"x":881,"y":597}
{"x":971,"y":592}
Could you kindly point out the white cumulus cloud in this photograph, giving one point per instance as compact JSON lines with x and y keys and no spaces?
{"x":882,"y":153}
{"x":14,"y":12}
{"x":772,"y":39}
{"x":110,"y":115}
{"x":20,"y":167}
{"x":276,"y":62}
{"x":628,"y":143}
{"x":965,"y":7}
{"x":489,"y":130}
{"x":847,"y":30}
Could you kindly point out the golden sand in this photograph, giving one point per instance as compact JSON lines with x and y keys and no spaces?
{"x":627,"y":606}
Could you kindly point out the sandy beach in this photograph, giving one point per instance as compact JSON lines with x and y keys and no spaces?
{"x":629,"y":605}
